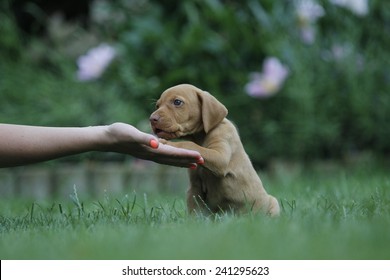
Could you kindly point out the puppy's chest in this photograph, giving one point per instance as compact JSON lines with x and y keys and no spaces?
{"x":207,"y":180}
{"x":205,"y":175}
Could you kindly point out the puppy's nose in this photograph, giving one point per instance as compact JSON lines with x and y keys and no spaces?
{"x":154,"y":118}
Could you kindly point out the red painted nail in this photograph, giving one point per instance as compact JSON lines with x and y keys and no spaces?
{"x":153,"y":143}
{"x":193,"y":166}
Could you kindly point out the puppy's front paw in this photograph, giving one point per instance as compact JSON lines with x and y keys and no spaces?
{"x":163,"y":141}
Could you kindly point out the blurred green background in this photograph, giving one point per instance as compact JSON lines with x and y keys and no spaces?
{"x":334,"y":103}
{"x":319,"y":133}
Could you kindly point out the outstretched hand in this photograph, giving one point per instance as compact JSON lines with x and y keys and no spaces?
{"x":20,"y":144}
{"x":127,"y":139}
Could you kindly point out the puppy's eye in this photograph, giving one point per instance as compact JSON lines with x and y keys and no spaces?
{"x":178,"y":102}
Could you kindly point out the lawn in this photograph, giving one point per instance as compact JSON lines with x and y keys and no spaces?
{"x":332,"y":212}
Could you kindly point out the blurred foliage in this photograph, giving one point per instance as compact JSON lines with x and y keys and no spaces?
{"x":335,"y":102}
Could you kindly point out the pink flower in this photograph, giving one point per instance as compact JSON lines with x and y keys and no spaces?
{"x":270,"y":81}
{"x":92,"y":65}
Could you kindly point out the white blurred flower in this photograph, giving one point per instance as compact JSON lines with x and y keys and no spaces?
{"x":308,"y":11}
{"x":359,"y":7}
{"x":92,"y":65}
{"x":269,"y":82}
{"x":308,"y":34}
{"x":339,"y":52}
{"x":345,"y":53}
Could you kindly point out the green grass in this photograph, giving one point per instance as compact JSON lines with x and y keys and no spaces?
{"x":341,"y":213}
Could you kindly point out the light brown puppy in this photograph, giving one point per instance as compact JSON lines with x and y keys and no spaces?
{"x":226,"y":181}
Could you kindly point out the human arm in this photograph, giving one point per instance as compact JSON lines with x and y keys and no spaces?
{"x":21,"y":144}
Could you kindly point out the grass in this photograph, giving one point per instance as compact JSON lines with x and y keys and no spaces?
{"x":341,"y":213}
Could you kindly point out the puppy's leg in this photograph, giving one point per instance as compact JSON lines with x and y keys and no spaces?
{"x":196,"y":196}
{"x":216,"y":158}
{"x":273,"y":207}
{"x":266,"y":204}
{"x":195,"y":201}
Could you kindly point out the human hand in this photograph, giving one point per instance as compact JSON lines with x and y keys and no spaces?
{"x":126,"y":139}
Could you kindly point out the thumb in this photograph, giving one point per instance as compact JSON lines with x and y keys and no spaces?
{"x":153,"y":143}
{"x":149,"y":140}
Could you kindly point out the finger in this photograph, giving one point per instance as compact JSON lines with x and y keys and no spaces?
{"x":177,"y":156}
{"x":190,"y":155}
{"x":153,"y":143}
{"x":193,"y":166}
{"x":147,"y":139}
{"x":200,"y":160}
{"x":177,"y":164}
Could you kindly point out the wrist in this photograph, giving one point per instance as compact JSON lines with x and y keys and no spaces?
{"x":100,"y":137}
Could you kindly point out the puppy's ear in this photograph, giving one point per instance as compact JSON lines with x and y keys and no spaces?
{"x":213,"y":111}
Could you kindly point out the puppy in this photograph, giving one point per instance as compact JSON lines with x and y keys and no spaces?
{"x":226,"y":181}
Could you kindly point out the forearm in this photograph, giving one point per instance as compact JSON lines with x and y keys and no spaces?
{"x":28,"y":144}
{"x":21,"y":145}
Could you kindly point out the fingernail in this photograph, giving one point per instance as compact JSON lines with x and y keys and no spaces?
{"x":193,"y":166}
{"x":200,"y":161}
{"x":153,"y":143}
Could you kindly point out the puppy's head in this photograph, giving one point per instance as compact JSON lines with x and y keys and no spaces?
{"x":185,"y":110}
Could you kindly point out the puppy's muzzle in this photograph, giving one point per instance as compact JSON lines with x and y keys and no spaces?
{"x":153,"y":119}
{"x":160,"y":127}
